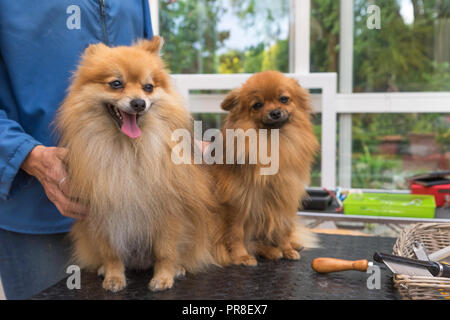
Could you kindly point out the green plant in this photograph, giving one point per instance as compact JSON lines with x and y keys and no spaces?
{"x":371,"y":171}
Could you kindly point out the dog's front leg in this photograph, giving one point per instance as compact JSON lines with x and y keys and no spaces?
{"x":114,"y":272}
{"x":164,"y":274}
{"x":268,"y":251}
{"x":165,"y":268}
{"x":289,"y":252}
{"x":238,"y":252}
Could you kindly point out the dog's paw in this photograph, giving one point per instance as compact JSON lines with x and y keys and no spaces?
{"x":291,"y":254}
{"x":114,"y":283}
{"x":247,"y":260}
{"x":272,"y":253}
{"x":161,"y":283}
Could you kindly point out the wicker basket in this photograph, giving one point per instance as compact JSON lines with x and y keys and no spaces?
{"x":434,"y":236}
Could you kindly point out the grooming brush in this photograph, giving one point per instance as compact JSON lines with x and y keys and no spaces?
{"x":412,"y":267}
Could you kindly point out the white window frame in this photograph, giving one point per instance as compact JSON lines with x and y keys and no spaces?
{"x":345,"y":86}
{"x":154,"y":15}
{"x":330,"y":103}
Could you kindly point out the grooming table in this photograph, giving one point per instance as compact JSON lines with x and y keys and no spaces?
{"x":280,"y":280}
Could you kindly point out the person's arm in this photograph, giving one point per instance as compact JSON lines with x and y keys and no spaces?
{"x":148,"y":29}
{"x":15,"y":145}
{"x":20,"y":150}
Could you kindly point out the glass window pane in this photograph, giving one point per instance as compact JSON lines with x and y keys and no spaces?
{"x":410,"y":51}
{"x":324,"y":45}
{"x":390,"y":148}
{"x":316,"y":175}
{"x":225,"y":36}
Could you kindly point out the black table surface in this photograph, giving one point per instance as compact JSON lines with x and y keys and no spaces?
{"x":279,"y":280}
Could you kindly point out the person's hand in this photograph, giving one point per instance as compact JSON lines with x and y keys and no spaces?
{"x":46,"y":164}
{"x":203,"y":145}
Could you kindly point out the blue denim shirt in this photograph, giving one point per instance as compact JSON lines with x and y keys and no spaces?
{"x":40,"y":46}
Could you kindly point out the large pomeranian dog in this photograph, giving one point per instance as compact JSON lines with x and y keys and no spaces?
{"x":117,"y":121}
{"x":260,"y":210}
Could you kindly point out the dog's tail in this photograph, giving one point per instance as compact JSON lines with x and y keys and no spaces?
{"x":305,"y":236}
{"x":221,"y":254}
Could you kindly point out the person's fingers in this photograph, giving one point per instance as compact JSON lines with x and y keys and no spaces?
{"x":54,"y":171}
{"x":77,"y":208}
{"x":202,"y":145}
{"x":70,"y":214}
{"x":52,"y":175}
{"x":57,"y":174}
{"x":65,"y":206}
{"x":63,"y":182}
{"x":198,"y":143}
{"x":61,"y":153}
{"x":205,"y":145}
{"x":63,"y":185}
{"x":57,"y":179}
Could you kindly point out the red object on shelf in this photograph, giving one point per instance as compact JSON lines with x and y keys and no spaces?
{"x":435,"y":184}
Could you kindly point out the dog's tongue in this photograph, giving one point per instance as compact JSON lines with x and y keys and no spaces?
{"x":129,"y":125}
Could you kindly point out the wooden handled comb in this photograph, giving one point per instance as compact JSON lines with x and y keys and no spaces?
{"x":326,"y":265}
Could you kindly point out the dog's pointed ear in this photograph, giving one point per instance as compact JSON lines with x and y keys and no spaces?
{"x":93,"y":48}
{"x":153,"y":46}
{"x":231,"y":100}
{"x":301,"y":98}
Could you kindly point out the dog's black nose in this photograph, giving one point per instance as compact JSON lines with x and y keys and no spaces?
{"x":137,"y":105}
{"x":275,"y":114}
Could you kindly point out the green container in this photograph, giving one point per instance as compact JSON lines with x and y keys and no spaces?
{"x":390,"y":204}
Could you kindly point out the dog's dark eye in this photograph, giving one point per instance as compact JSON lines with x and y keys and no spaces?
{"x":116,"y":84}
{"x":284,"y":99}
{"x":257,"y":105}
{"x":148,"y":87}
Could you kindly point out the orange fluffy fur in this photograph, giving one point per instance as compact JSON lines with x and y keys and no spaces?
{"x":260,"y":210}
{"x":143,"y":208}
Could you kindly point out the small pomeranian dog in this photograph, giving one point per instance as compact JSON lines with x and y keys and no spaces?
{"x":261,"y":210}
{"x":117,"y":121}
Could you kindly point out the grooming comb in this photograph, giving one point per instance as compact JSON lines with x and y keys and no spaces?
{"x":412,"y":267}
